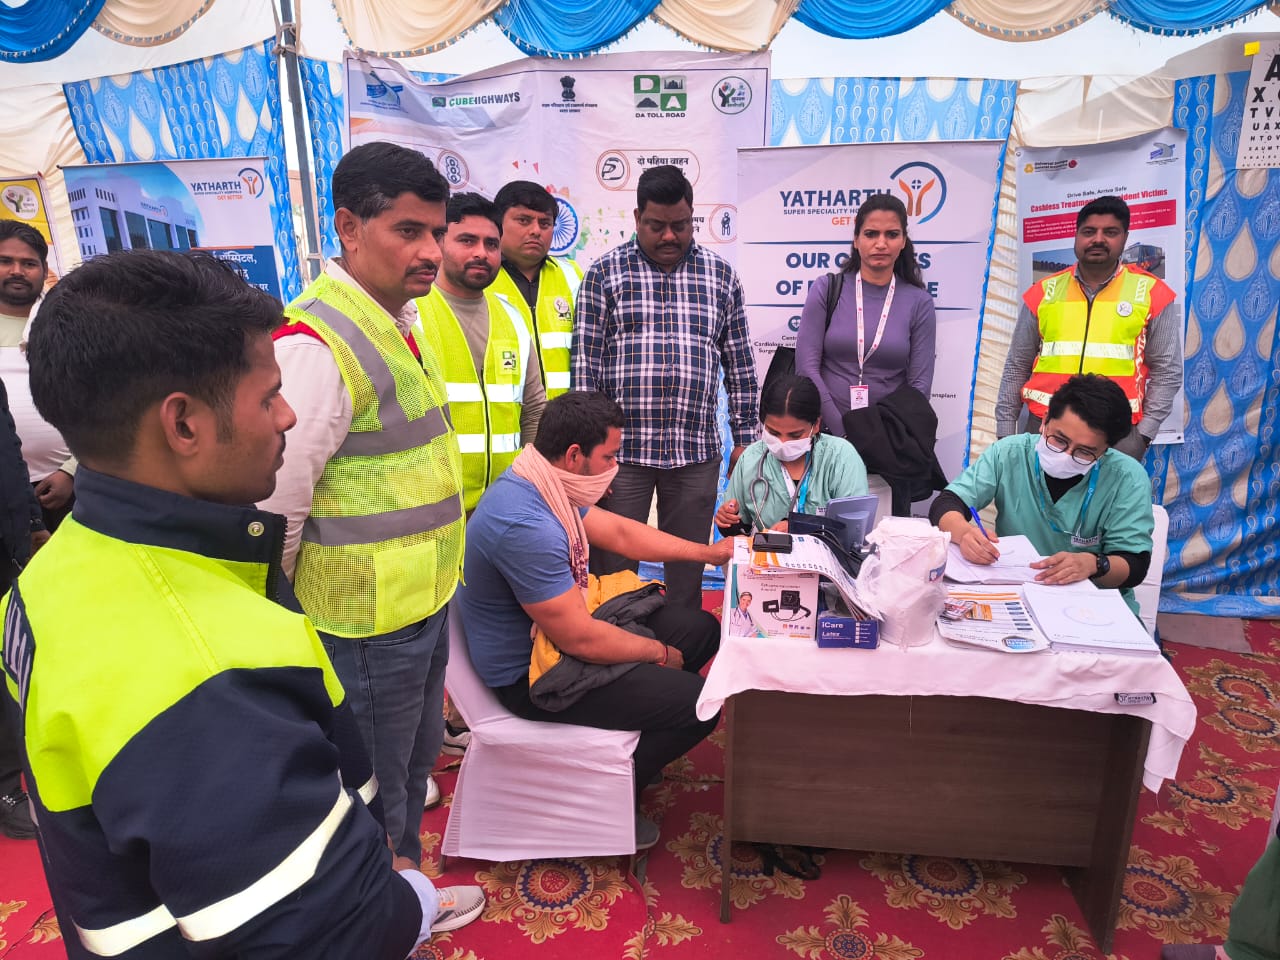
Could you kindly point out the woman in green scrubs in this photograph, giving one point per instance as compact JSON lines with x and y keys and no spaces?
{"x":793,"y":468}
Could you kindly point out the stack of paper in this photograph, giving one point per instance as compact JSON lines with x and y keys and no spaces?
{"x":811,"y":554}
{"x":996,"y":620}
{"x":1013,"y":566}
{"x":1097,"y":621}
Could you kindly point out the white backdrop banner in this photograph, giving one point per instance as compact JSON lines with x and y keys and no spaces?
{"x":585,"y":129}
{"x":797,"y":209}
{"x":1148,"y":173}
{"x":220,"y":206}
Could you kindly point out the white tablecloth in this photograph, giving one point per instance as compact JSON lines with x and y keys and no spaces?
{"x":1075,"y":681}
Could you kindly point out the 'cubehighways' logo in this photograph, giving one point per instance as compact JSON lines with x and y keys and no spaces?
{"x":731,"y":95}
{"x":1163,"y":153}
{"x":664,"y":93}
{"x":924,"y":189}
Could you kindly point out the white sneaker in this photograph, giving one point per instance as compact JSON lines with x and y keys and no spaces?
{"x":458,"y":907}
{"x":433,"y":794}
{"x":456,"y":741}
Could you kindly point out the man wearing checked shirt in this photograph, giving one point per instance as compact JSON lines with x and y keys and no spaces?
{"x":656,"y":320}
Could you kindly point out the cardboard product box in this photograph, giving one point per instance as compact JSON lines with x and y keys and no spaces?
{"x":837,"y":631}
{"x":782,"y":603}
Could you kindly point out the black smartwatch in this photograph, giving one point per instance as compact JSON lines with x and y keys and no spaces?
{"x":1104,"y":566}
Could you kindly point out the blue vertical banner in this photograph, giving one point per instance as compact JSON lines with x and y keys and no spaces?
{"x":227,"y":106}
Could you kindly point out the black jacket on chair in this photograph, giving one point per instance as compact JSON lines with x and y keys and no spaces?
{"x":895,"y":439}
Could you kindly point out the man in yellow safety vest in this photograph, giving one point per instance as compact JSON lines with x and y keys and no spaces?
{"x":483,"y":342}
{"x":372,"y":482}
{"x":545,"y":288}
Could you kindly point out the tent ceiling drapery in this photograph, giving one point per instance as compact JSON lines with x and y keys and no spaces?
{"x":42,"y":30}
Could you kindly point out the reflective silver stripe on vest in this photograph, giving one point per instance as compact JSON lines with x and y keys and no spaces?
{"x":471,"y":443}
{"x":558,"y":381}
{"x":504,"y":392}
{"x":556,"y":341}
{"x":1061,"y":348}
{"x":398,"y":431}
{"x":1110,"y":351}
{"x":505,"y":442}
{"x":390,"y":412}
{"x":406,"y":436}
{"x":381,"y":527}
{"x":463,"y":392}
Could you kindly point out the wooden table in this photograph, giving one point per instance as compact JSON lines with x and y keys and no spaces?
{"x":945,"y":776}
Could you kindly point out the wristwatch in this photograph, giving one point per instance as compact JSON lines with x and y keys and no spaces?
{"x":1104,"y":566}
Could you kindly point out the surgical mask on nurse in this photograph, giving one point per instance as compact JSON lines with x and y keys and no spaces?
{"x":787,"y":450}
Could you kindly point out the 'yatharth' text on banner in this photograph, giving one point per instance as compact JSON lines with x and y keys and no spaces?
{"x":222,"y":207}
{"x":797,"y":211}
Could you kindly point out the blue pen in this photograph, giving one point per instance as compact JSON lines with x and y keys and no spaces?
{"x":978,"y":520}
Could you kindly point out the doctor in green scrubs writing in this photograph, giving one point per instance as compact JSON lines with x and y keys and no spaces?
{"x":1084,"y":506}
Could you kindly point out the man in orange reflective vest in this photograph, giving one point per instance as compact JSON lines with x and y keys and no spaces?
{"x":1105,"y":316}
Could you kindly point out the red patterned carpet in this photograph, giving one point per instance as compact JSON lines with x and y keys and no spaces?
{"x":1192,"y":847}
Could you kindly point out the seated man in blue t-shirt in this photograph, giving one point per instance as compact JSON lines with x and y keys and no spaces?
{"x":526,"y":565}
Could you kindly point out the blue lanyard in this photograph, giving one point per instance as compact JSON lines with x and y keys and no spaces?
{"x":803,"y":490}
{"x":1084,"y":505}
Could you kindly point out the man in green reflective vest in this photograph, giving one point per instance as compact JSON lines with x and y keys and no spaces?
{"x":489,"y":361}
{"x":372,"y":481}
{"x":545,"y":288}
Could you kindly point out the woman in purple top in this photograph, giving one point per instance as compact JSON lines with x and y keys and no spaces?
{"x":896,"y":343}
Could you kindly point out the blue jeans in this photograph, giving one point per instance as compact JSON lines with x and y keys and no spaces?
{"x":395,"y":685}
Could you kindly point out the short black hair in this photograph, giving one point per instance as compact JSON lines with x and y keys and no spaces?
{"x":525,"y":193}
{"x":1098,"y":401}
{"x":369,"y":177}
{"x":580,"y":416}
{"x":470,"y":205}
{"x":17,"y":230}
{"x":126,"y":329}
{"x":791,"y":395}
{"x":666,"y":185}
{"x":1105,"y":205}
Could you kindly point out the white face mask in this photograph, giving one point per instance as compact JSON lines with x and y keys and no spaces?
{"x":787,"y":450}
{"x":1058,"y":464}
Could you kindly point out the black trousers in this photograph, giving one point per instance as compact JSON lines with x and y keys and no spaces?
{"x":11,"y":756}
{"x":686,"y":502}
{"x":657,"y":701}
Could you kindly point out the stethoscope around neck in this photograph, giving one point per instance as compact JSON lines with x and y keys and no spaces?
{"x":798,"y":498}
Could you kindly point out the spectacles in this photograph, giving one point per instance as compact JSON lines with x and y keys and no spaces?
{"x":1081,"y":455}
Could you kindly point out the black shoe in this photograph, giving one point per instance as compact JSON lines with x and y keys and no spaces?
{"x":15,"y":817}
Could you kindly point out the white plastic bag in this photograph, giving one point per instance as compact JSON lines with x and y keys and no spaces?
{"x":904,"y":578}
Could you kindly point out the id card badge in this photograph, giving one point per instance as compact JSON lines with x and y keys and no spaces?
{"x":859,"y":396}
{"x":1079,"y":541}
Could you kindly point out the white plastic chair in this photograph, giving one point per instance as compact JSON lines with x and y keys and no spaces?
{"x":876,"y":484}
{"x":1147,"y":593}
{"x":529,"y":789}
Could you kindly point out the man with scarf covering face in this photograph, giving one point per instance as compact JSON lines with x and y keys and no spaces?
{"x":1084,"y":505}
{"x":528,"y":544}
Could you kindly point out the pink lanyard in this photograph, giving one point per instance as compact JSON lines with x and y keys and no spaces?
{"x":884,"y":321}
